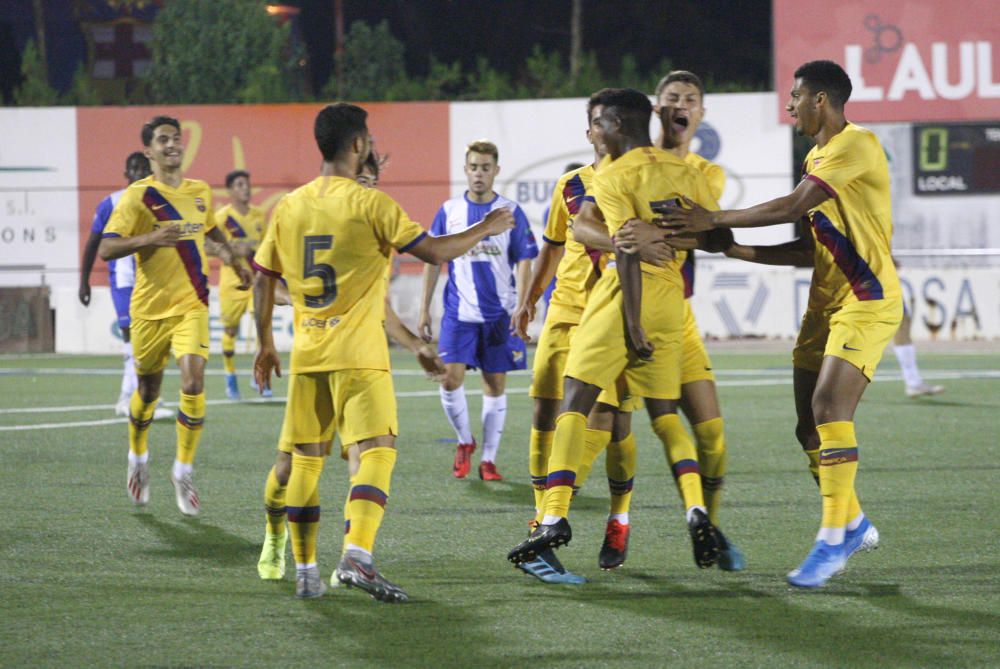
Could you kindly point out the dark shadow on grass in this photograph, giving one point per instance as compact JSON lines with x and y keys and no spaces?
{"x":193,"y":538}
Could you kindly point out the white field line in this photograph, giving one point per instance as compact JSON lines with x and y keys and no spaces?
{"x":738,"y":383}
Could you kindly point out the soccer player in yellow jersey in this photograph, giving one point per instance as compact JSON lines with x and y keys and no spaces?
{"x":645,"y":345}
{"x":271,"y":565}
{"x":164,"y":219}
{"x":684,"y":93}
{"x":331,"y":240}
{"x":855,"y":302}
{"x":243,"y":224}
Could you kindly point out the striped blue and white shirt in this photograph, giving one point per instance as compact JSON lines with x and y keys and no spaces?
{"x":481,"y":285}
{"x":121,"y":272}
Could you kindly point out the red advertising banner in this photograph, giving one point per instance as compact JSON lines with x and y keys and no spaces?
{"x":909,"y":60}
{"x":274,"y":143}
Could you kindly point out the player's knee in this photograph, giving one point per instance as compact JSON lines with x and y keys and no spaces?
{"x":192,"y":386}
{"x":283,"y":468}
{"x":807,"y":435}
{"x":544,"y":418}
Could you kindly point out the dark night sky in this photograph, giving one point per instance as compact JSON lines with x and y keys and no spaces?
{"x":723,"y":40}
{"x":720,"y":39}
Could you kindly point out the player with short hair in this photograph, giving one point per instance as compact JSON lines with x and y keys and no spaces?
{"x":479,"y":298}
{"x":855,"y":301}
{"x":634,"y":178}
{"x":331,"y":240}
{"x":121,"y":279}
{"x":684,"y":92}
{"x":244,"y":225}
{"x":165,"y":219}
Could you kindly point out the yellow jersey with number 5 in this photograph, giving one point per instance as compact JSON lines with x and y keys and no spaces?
{"x":331,"y":240}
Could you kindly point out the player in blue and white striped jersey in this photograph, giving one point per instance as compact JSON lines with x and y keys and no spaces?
{"x":479,"y":298}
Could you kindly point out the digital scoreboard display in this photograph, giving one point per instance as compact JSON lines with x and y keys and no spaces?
{"x":956,"y":158}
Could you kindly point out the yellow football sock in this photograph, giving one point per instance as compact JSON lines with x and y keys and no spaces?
{"x":713,"y":459}
{"x":347,"y":509}
{"x":303,"y":506}
{"x":368,"y":496}
{"x":838,"y":465}
{"x":620,"y":466}
{"x":274,"y":504}
{"x":140,"y":417}
{"x":229,"y":353}
{"x":682,"y":457}
{"x":190,"y":420}
{"x":813,"y":455}
{"x":567,"y":450}
{"x":539,"y":449}
{"x":853,"y":505}
{"x":594,"y":443}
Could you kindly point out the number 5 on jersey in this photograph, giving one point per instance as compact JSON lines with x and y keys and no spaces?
{"x":324,"y":272}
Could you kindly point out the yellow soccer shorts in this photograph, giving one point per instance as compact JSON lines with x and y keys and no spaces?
{"x":356,"y":404}
{"x":600,"y":354}
{"x":857,"y":332}
{"x":232,"y":307}
{"x":696,"y":365}
{"x":153,"y":340}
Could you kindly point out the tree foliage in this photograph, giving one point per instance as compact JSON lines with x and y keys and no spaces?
{"x":372,"y":63}
{"x":35,"y":90}
{"x":217,"y":52}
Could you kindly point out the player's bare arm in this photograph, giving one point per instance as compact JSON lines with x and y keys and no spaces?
{"x":798,"y":253}
{"x":230,"y":257}
{"x":786,"y":209}
{"x":86,"y":265}
{"x":112,"y":248}
{"x":544,"y":269}
{"x":589,"y":229}
{"x":428,"y":358}
{"x":430,"y":280}
{"x":266,"y":360}
{"x":630,"y":276}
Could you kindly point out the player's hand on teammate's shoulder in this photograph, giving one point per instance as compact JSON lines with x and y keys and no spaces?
{"x":647,"y":241}
{"x":166,"y":236}
{"x":499,"y":220}
{"x":431,"y":363}
{"x":690,"y":218}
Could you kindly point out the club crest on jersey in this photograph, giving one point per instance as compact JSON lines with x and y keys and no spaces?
{"x":200,"y":204}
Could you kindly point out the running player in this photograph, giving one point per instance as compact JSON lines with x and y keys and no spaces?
{"x":479,"y":298}
{"x":335,"y":270}
{"x":243,"y":224}
{"x":164,"y":219}
{"x":121,"y":278}
{"x":855,"y":303}
{"x":635,"y":178}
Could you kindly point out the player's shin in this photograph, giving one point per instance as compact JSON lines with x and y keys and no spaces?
{"x":683,"y":459}
{"x":838,"y":466}
{"x":712,"y":459}
{"x":274,"y":503}
{"x":303,"y":507}
{"x":539,"y":449}
{"x":190,"y":421}
{"x":567,"y":450}
{"x":368,"y":497}
{"x":139,"y":419}
{"x":620,"y":465}
{"x":594,"y":444}
{"x":229,"y":352}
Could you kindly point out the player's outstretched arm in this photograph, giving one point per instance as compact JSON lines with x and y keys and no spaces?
{"x":86,"y":265}
{"x":428,"y":358}
{"x":798,"y":253}
{"x":266,"y":360}
{"x":786,"y":209}
{"x":437,"y":250}
{"x":544,"y":269}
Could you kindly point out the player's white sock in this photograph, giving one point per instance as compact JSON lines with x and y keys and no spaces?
{"x":130,"y":381}
{"x":855,"y":522}
{"x":456,"y":409}
{"x":620,"y":517}
{"x":494,"y":415}
{"x":831,"y":535}
{"x":132,"y":457}
{"x":907,"y":357}
{"x":180,"y":469}
{"x":689,"y":513}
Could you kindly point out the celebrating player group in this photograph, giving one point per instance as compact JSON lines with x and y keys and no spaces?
{"x":619,"y":333}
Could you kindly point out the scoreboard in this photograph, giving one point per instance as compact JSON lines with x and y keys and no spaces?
{"x":956,"y":158}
